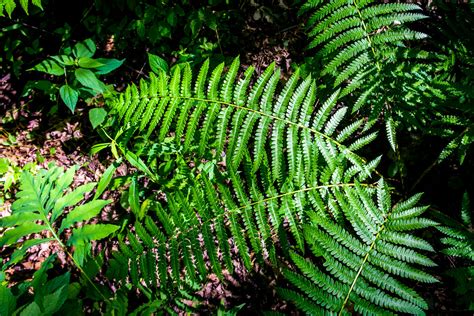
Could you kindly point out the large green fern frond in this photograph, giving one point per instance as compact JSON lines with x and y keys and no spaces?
{"x":226,"y":115}
{"x":356,"y":36}
{"x":285,"y":162}
{"x":366,"y":268}
{"x":282,"y":155}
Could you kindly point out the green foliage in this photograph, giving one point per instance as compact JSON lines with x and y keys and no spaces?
{"x":270,"y":141}
{"x":10,"y":174}
{"x":80,"y":72}
{"x":456,"y":67}
{"x":186,"y":30}
{"x":225,"y":168}
{"x":363,"y":268}
{"x":459,"y":240}
{"x":10,"y":5}
{"x":40,"y":208}
{"x":50,"y":295}
{"x":362,"y":47}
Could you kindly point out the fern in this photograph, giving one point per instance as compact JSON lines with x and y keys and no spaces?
{"x":286,"y":161}
{"x":272,"y":181}
{"x":361,"y":48}
{"x":362,"y":267}
{"x":459,"y":242}
{"x":40,"y":209}
{"x":10,"y":5}
{"x":357,"y":36}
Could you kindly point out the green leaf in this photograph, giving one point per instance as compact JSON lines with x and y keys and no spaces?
{"x":37,"y":3}
{"x":87,"y":62}
{"x":83,"y":212}
{"x":109,"y":65}
{"x":137,"y":163}
{"x":69,"y":96}
{"x":84,"y":49}
{"x":19,"y":253}
{"x":4,"y":165}
{"x":133,"y":198}
{"x":64,"y":60}
{"x":157,"y":64}
{"x":7,"y":301}
{"x":53,"y":302}
{"x":32,"y":309}
{"x":91,"y":232}
{"x":72,"y":198}
{"x":391,"y":132}
{"x":106,"y":178}
{"x":24,"y":5}
{"x":98,"y":147}
{"x":19,"y":218}
{"x":88,"y":79}
{"x":97,"y":116}
{"x":11,"y":236}
{"x":50,"y":67}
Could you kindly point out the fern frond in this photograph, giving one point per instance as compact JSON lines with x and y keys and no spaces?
{"x":367,"y":264}
{"x":40,"y":208}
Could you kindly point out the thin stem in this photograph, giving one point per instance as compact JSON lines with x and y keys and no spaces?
{"x":366,"y":257}
{"x":273,"y":117}
{"x":367,"y":35}
{"x":78,"y":266}
{"x":237,"y":210}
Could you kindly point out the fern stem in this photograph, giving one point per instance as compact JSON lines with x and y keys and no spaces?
{"x":273,"y":117}
{"x":367,"y":36}
{"x":366,"y":257}
{"x":339,"y":185}
{"x":61,"y":244}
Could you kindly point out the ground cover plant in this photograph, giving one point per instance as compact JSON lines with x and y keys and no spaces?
{"x":307,"y":157}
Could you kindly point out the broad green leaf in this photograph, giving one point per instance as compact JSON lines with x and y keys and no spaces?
{"x":37,"y":3}
{"x":12,"y":235}
{"x":109,"y":65}
{"x":50,"y":67}
{"x":137,"y":163}
{"x":84,"y":49}
{"x":98,"y":147}
{"x":7,"y":301}
{"x":40,"y":276}
{"x":87,"y":62}
{"x":4,"y":165}
{"x":64,"y":60}
{"x":83,"y":212}
{"x":24,"y":5}
{"x":69,"y":96}
{"x":133,"y":198}
{"x":71,"y":198}
{"x":65,"y":180}
{"x":32,"y":309}
{"x":19,"y":218}
{"x":88,"y":79}
{"x":53,"y":302}
{"x":106,"y":178}
{"x":19,"y":253}
{"x":157,"y":63}
{"x":87,"y":233}
{"x":97,"y":116}
{"x":10,"y":5}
